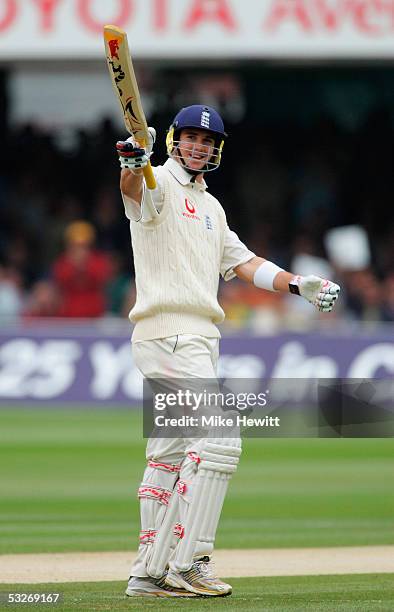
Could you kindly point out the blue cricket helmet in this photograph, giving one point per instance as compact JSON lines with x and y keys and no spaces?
{"x":199,"y":116}
{"x":204,"y":118}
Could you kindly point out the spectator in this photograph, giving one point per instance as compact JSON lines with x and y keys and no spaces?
{"x":120,"y":289}
{"x":388,"y":298}
{"x":10,"y":294}
{"x":111,"y":231}
{"x":82,"y":273}
{"x":43,"y":300}
{"x":365,"y":296}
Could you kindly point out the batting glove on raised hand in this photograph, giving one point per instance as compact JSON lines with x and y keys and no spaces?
{"x":131,"y":155}
{"x":318,"y":291}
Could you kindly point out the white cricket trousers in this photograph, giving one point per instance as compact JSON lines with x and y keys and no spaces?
{"x":180,"y":356}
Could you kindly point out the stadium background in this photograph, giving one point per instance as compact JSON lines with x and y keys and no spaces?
{"x":310,"y":148}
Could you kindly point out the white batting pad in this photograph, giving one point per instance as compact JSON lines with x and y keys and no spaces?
{"x":219,"y":460}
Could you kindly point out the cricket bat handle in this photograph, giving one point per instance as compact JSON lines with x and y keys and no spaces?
{"x":149,"y":176}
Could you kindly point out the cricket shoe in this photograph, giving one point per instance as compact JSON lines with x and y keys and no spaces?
{"x":199,"y":579}
{"x":153,"y":587}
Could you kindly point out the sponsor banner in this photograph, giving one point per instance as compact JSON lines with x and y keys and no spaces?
{"x":72,"y":29}
{"x":60,"y":364}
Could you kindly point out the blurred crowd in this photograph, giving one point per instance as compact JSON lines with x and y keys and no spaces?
{"x":65,"y":242}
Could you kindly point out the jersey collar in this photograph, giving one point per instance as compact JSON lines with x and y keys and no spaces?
{"x":183,"y":177}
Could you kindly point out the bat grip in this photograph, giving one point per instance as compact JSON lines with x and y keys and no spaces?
{"x":149,"y":176}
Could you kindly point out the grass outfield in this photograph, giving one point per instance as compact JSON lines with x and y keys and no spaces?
{"x":69,"y":480}
{"x":362,"y":593}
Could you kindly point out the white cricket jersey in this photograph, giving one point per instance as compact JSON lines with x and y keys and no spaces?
{"x":181,"y":244}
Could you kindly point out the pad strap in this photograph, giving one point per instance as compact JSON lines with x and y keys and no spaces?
{"x":166,"y":467}
{"x":147,"y":536}
{"x":179,"y":531}
{"x":194,"y":457}
{"x":159,"y":494}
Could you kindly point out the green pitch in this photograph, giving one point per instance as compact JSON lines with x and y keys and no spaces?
{"x":69,"y":480}
{"x":363,"y":593}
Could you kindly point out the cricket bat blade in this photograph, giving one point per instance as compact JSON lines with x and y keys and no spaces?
{"x":126,"y":90}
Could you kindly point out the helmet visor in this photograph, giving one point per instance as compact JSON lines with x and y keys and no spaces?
{"x":198,"y":157}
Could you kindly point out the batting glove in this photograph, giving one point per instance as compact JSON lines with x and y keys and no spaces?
{"x":318,"y":291}
{"x":131,"y":155}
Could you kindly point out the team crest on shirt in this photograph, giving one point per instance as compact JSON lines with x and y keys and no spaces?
{"x":190,"y":210}
{"x":208,"y":222}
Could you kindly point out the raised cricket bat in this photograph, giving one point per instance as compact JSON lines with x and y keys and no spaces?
{"x":126,"y":89}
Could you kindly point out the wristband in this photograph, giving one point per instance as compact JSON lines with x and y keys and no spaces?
{"x":265,"y":274}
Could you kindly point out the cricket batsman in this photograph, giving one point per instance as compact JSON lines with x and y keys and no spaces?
{"x":182,"y":244}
